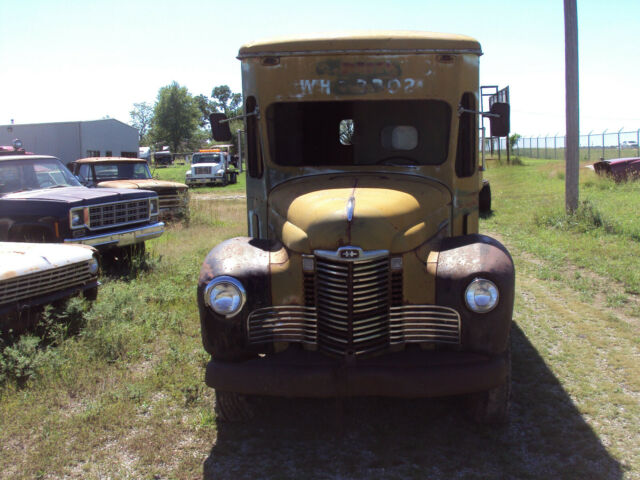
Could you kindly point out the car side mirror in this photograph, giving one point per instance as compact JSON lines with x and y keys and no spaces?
{"x":219,"y":128}
{"x":500,"y":124}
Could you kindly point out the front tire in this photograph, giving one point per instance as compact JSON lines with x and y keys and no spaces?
{"x":484,"y":198}
{"x":232,"y":407}
{"x":492,"y":406}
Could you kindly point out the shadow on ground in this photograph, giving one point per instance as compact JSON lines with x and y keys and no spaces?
{"x":428,"y":438}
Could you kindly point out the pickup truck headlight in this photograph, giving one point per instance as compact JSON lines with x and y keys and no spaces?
{"x":93,"y":266}
{"x":153,"y":206}
{"x":78,"y":217}
{"x":481,"y":296}
{"x":225,"y":296}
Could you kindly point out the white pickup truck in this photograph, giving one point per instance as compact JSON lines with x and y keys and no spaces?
{"x":35,"y":274}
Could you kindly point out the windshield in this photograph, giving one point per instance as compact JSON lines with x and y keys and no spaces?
{"x":121,"y":171}
{"x":34,"y":173}
{"x":206,"y":158}
{"x":391,"y":132}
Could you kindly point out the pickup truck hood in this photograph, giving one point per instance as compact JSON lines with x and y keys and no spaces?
{"x":24,"y":258}
{"x":77,"y":194}
{"x":395,"y":213}
{"x":144,"y":184}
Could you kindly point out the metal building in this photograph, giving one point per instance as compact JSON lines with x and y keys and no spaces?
{"x":72,"y":140}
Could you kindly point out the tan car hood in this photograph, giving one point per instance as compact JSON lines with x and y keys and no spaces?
{"x":392,"y":213}
{"x":144,"y":184}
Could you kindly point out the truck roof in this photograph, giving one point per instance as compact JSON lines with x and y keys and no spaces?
{"x":366,"y":42}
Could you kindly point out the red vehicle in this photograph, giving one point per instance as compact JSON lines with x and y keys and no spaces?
{"x":620,"y":169}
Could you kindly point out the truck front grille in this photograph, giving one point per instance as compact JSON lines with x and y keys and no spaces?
{"x":353,"y":305}
{"x":37,"y":284}
{"x":354,"y":308}
{"x":172,"y":201}
{"x":202,"y":170}
{"x":118,"y":213}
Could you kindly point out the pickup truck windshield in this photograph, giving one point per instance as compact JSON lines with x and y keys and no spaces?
{"x":34,"y":173}
{"x":121,"y":171}
{"x":389,"y":132}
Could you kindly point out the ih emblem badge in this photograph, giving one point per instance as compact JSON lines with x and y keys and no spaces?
{"x":349,"y":253}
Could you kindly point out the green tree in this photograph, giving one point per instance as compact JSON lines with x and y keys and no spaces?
{"x":176,"y":117}
{"x":225,"y":101}
{"x":206,"y":108}
{"x":141,"y":118}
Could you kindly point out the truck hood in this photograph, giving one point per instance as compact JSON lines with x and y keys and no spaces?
{"x":77,"y":194}
{"x":391,"y":212}
{"x":25,"y":258}
{"x":144,"y":184}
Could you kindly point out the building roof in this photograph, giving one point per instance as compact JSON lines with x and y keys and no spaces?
{"x":364,"y":42}
{"x":66,"y":123}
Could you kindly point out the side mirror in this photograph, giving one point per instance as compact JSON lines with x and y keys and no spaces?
{"x":219,"y":131}
{"x":501,"y":125}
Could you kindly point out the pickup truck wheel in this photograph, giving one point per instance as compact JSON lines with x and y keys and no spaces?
{"x":232,"y":407}
{"x":91,"y":294}
{"x":492,"y":406}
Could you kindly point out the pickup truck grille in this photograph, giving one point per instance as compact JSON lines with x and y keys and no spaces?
{"x":37,"y":284}
{"x":118,"y":213}
{"x":202,"y":170}
{"x":354,"y":308}
{"x":172,"y":201}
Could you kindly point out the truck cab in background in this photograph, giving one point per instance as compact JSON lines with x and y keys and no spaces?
{"x":211,"y":167}
{"x":363,"y":272}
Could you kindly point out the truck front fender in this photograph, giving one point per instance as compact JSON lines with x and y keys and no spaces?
{"x":460,"y":261}
{"x":247,"y":260}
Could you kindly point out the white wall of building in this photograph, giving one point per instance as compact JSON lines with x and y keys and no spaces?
{"x":72,"y":140}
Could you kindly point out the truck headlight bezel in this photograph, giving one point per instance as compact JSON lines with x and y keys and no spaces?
{"x":225,"y":296}
{"x":78,"y":217}
{"x":153,"y":207}
{"x":94,"y":266}
{"x":481,"y":295}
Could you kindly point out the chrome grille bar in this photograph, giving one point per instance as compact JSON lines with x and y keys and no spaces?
{"x":424,"y":323}
{"x":282,"y":324}
{"x":40,"y":283}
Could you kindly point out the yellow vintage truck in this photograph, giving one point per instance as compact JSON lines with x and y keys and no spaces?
{"x":363,"y":272}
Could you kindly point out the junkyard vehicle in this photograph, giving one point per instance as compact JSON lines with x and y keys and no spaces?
{"x":211,"y":167}
{"x":619,"y":169}
{"x":162,"y":158}
{"x":41,"y":201}
{"x":118,"y":172}
{"x":363,"y":273}
{"x":34,"y":274}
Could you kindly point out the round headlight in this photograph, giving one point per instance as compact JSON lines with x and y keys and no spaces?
{"x":481,"y":295}
{"x":225,"y":296}
{"x":93,"y":266}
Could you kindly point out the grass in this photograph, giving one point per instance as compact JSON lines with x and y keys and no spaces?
{"x":117,"y":391}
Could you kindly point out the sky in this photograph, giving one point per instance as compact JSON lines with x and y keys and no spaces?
{"x":85,"y":60}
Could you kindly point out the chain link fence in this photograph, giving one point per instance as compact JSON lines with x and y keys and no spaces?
{"x":593,"y":146}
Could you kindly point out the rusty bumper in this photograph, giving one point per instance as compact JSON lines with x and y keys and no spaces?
{"x":408,"y":374}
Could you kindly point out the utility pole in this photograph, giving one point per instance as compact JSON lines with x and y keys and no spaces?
{"x":572,"y":150}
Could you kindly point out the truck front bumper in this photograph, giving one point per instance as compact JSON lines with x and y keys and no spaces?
{"x":408,"y":374}
{"x":121,"y":238}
